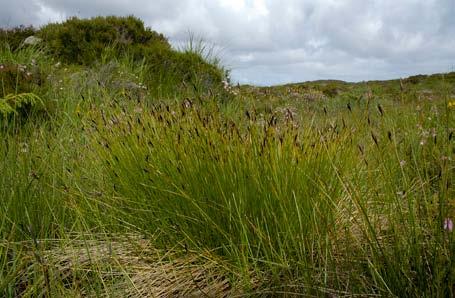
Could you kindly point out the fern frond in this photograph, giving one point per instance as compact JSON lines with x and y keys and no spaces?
{"x":5,"y":108}
{"x":11,"y":102}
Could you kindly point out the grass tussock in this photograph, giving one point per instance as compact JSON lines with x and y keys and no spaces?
{"x":153,"y":177}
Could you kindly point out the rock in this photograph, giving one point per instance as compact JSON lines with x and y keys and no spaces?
{"x":32,"y":40}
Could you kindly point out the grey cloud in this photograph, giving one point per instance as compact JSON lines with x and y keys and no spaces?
{"x":19,"y":13}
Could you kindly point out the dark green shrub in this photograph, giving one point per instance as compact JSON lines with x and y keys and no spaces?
{"x":331,"y":89}
{"x":82,"y":41}
{"x":415,"y":79}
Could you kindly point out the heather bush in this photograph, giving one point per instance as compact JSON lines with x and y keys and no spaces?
{"x":82,"y":41}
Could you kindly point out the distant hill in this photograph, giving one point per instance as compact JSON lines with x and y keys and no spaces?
{"x":420,"y":86}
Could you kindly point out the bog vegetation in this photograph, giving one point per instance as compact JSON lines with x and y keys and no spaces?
{"x":131,"y":169}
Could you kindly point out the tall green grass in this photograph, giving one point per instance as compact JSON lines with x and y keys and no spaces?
{"x":340,"y":197}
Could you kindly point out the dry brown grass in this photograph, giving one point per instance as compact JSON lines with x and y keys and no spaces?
{"x":126,"y":266}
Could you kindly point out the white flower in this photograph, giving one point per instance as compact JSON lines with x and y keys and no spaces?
{"x":24,"y":147}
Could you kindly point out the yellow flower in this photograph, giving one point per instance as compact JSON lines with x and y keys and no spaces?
{"x":451,"y":104}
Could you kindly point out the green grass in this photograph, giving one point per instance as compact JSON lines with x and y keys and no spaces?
{"x":299,"y":189}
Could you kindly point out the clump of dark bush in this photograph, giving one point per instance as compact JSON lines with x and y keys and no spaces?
{"x":331,"y":89}
{"x":82,"y":41}
{"x":14,"y":37}
{"x":415,"y":79}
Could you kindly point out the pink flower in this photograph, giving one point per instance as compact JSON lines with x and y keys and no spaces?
{"x":448,"y":224}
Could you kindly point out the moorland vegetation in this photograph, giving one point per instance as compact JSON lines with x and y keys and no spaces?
{"x":129,"y":168}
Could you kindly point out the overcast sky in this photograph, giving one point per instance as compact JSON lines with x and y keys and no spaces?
{"x":269,"y":42}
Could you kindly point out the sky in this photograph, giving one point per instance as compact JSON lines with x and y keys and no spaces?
{"x":268,"y":42}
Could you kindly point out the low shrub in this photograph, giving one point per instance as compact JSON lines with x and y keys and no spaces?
{"x":415,"y":79}
{"x":82,"y":41}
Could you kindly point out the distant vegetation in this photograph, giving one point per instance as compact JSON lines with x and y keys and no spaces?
{"x":131,"y":169}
